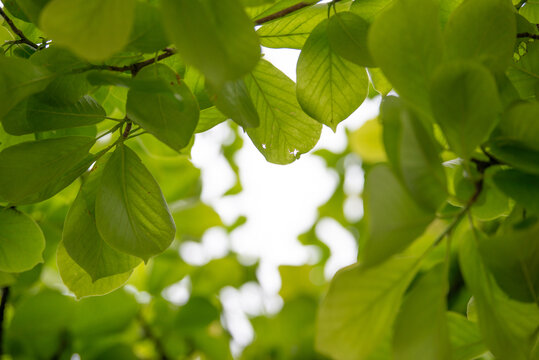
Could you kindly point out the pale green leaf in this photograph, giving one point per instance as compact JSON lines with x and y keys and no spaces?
{"x":369,"y":9}
{"x":79,"y":282}
{"x":217,"y":37}
{"x":482,"y":30}
{"x":466,"y":341}
{"x":131,"y":213}
{"x":233,"y":100}
{"x":530,"y":10}
{"x":367,"y":142}
{"x":34,"y":171}
{"x":148,"y":34}
{"x":406,"y":43}
{"x":465,"y":102}
{"x":94,"y":30}
{"x":163,"y":105}
{"x":521,"y":123}
{"x":21,"y":241}
{"x":35,"y":115}
{"x":394,"y":219}
{"x":285,"y":132}
{"x":379,"y":81}
{"x":329,"y":88}
{"x":359,"y":309}
{"x":421,"y":329}
{"x":209,"y":118}
{"x":524,"y":73}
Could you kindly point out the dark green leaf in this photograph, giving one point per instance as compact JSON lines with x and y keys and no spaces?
{"x":167,"y":109}
{"x":34,"y":171}
{"x":21,"y":241}
{"x":131,"y":213}
{"x":234,"y":101}
{"x":521,"y":123}
{"x":148,"y":34}
{"x":522,"y":187}
{"x":347,"y":35}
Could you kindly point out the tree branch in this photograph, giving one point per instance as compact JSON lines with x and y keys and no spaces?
{"x":17,"y":31}
{"x":284,"y":12}
{"x":136,"y":67}
{"x":528,"y":35}
{"x":3,"y":302}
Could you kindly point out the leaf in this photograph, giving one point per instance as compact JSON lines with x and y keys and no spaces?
{"x":329,"y":88}
{"x":521,"y":124}
{"x":131,"y":213}
{"x":148,"y":33}
{"x":466,"y":341}
{"x":465,"y":103}
{"x":167,"y":108}
{"x":79,"y":282}
{"x":18,"y":80}
{"x":524,"y":74}
{"x":209,"y":118}
{"x":360,"y":307}
{"x":530,"y":10}
{"x":408,"y":61}
{"x":506,"y":325}
{"x":233,"y":100}
{"x":32,"y":8}
{"x":522,"y":187}
{"x":513,"y":258}
{"x":293,"y":30}
{"x":81,"y":238}
{"x":413,"y":154}
{"x":285,"y":132}
{"x":80,"y":25}
{"x":35,"y":115}
{"x":21,"y":241}
{"x":369,"y":9}
{"x":515,"y":154}
{"x":39,"y":169}
{"x":379,"y":81}
{"x":482,"y":30}
{"x":421,"y":329}
{"x":367,"y":143}
{"x":216,"y":37}
{"x":193,"y":220}
{"x":347,"y":36}
{"x":394,"y":219}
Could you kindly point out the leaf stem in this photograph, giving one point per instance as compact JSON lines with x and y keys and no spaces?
{"x":17,"y":31}
{"x":3,"y":302}
{"x":528,"y":35}
{"x":136,"y":67}
{"x":284,"y":12}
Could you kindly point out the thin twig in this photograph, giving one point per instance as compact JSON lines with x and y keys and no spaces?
{"x":136,"y":67}
{"x":528,"y":35}
{"x":3,"y":302}
{"x":151,"y":336}
{"x":286,"y":11}
{"x":17,"y":31}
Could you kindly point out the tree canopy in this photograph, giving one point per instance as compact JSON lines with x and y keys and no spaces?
{"x":101,"y":102}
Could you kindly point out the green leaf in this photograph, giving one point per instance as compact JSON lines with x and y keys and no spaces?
{"x":37,"y":170}
{"x":521,"y":123}
{"x":379,"y":81}
{"x":285,"y":132}
{"x":193,"y":220}
{"x":465,"y":102}
{"x":148,"y":33}
{"x":21,"y":241}
{"x":131,"y":213}
{"x":367,"y":143}
{"x":421,"y":329}
{"x":81,"y":238}
{"x":369,"y":9}
{"x":32,"y":8}
{"x":524,"y":73}
{"x":522,"y":187}
{"x":360,"y":307}
{"x":167,"y":108}
{"x":35,"y":115}
{"x":413,"y":153}
{"x":209,"y":118}
{"x":513,"y":258}
{"x":466,"y":341}
{"x":515,"y":154}
{"x":293,"y":30}
{"x":233,"y":100}
{"x":347,"y":36}
{"x":394,"y":219}
{"x":408,"y":61}
{"x":530,"y":10}
{"x":18,"y":80}
{"x":94,"y":30}
{"x":506,"y":325}
{"x":482,"y":30}
{"x":217,"y":37}
{"x":79,"y":282}
{"x":329,"y":88}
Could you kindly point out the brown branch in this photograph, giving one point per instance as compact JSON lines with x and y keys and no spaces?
{"x":17,"y":31}
{"x":528,"y":35}
{"x":136,"y":67}
{"x":284,"y":12}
